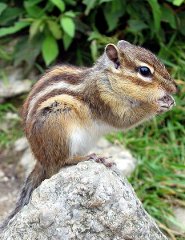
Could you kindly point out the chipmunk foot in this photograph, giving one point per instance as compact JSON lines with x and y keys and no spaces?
{"x":104,"y":160}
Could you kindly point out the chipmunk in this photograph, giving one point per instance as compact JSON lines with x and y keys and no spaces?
{"x":69,"y":108}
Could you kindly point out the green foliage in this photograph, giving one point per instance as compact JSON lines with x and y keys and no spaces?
{"x":57,"y":26}
{"x":60,"y":4}
{"x":68,"y":25}
{"x":10,"y":130}
{"x":49,"y":49}
{"x":10,"y":30}
{"x":3,"y":6}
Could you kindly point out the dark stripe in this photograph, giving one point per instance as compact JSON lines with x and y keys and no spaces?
{"x":100,"y":110}
{"x":67,"y":77}
{"x":53,"y":93}
{"x":50,"y":79}
{"x":91,"y":97}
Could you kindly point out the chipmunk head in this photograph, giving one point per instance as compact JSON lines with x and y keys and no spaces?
{"x":137,"y":74}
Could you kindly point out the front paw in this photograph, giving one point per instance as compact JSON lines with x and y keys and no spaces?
{"x":105,"y":160}
{"x":165,"y":103}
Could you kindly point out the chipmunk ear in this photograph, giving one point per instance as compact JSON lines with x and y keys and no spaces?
{"x":122,"y":44}
{"x":112,"y":53}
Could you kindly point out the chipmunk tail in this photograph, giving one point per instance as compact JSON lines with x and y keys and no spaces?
{"x":33,"y":181}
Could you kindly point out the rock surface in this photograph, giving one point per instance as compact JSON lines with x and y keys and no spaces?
{"x":86,"y":201}
{"x":21,"y":144}
{"x":13,"y":83}
{"x":21,"y":168}
{"x":179,"y":225}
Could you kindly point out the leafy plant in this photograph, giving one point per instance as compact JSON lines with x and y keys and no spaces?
{"x":47,"y":29}
{"x":10,"y":130}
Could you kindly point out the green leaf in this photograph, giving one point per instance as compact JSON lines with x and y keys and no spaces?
{"x":137,"y":25}
{"x":49,"y":49}
{"x":94,"y":50}
{"x":94,"y":36}
{"x":156,"y":11}
{"x":168,"y":16}
{"x":31,"y":3}
{"x":68,"y":25}
{"x":90,"y":4}
{"x":55,"y":29}
{"x":112,"y":12}
{"x":34,"y":28}
{"x":182,"y":23}
{"x":70,"y":14}
{"x":67,"y":40}
{"x":178,"y":2}
{"x":3,"y":6}
{"x":102,"y":1}
{"x":33,"y":11}
{"x":59,"y":4}
{"x":4,"y":54}
{"x":10,"y":14}
{"x":71,"y":2}
{"x":27,"y":50}
{"x":10,"y":30}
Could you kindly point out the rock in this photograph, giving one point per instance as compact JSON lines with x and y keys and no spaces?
{"x":87,"y":201}
{"x":14,"y":83}
{"x":103,"y":143}
{"x":2,"y":175}
{"x":27,"y":161}
{"x":124,"y":160}
{"x":179,"y":224}
{"x":8,"y":121}
{"x":5,"y":203}
{"x":21,"y":144}
{"x":12,"y":116}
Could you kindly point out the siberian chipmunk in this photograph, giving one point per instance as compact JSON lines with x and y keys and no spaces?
{"x":69,"y":108}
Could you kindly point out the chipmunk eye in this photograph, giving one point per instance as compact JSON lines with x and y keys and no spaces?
{"x":144,"y":71}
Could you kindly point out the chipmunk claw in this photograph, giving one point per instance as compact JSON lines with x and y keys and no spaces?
{"x":104,"y":160}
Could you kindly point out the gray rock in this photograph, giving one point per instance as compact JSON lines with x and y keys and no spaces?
{"x":13,"y":83}
{"x":103,"y":143}
{"x":12,"y":116}
{"x":21,"y":144}
{"x":27,"y":161}
{"x":86,"y":201}
{"x":2,"y":175}
{"x":8,"y":121}
{"x":179,"y":217}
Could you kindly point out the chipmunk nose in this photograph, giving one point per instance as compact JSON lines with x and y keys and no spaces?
{"x":168,"y":100}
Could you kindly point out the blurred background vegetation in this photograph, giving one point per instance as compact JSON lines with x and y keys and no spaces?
{"x":35,"y":34}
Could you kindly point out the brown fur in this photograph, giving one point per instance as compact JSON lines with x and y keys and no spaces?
{"x":111,"y":92}
{"x":50,"y":95}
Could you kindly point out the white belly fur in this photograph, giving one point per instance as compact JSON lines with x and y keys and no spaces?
{"x":83,"y":139}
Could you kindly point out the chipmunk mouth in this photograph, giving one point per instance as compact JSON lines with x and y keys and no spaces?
{"x":166,"y":103}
